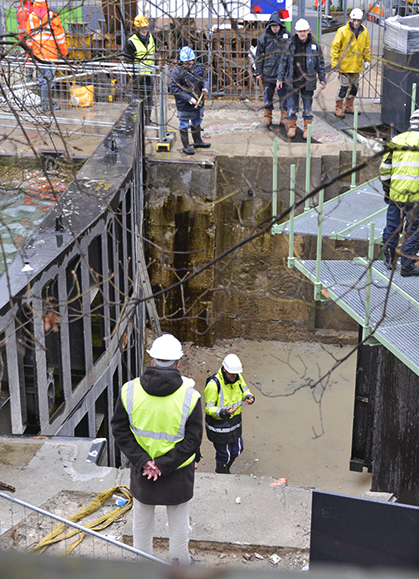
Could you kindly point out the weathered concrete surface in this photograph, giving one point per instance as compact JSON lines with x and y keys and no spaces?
{"x":250,"y":293}
{"x":267,"y":515}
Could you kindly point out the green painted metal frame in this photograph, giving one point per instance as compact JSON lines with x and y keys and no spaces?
{"x":278,"y":227}
{"x":324,"y":293}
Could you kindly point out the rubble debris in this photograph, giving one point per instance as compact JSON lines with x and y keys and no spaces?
{"x":274,"y":559}
{"x":238,"y":500}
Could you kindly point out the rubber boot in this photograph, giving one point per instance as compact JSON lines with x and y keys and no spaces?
{"x":284,"y":120}
{"x":267,"y":119}
{"x":349,"y":108}
{"x":306,"y":123}
{"x":230,"y":463}
{"x":185,"y":142}
{"x":222,"y":469}
{"x":339,"y":110}
{"x":292,"y":127}
{"x":198,"y":143}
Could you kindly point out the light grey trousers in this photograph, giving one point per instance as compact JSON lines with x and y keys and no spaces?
{"x":179,"y":530}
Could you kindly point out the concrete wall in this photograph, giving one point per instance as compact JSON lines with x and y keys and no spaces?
{"x":194,"y":214}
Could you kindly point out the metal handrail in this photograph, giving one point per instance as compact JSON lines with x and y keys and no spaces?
{"x":83,"y":529}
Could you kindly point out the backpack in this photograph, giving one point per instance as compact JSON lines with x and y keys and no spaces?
{"x":215,"y":378}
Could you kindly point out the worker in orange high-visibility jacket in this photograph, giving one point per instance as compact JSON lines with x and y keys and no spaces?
{"x":22,"y":14}
{"x":47,"y":42}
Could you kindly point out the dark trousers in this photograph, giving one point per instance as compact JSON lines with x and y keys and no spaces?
{"x":402,"y":216}
{"x":145,"y":89}
{"x":292,"y":103}
{"x":226,"y":452}
{"x":269,"y":93}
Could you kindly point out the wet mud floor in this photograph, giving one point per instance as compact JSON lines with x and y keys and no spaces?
{"x":288,"y":433}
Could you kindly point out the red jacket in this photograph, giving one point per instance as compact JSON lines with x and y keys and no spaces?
{"x":47,"y":36}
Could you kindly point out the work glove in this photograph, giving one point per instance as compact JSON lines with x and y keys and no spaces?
{"x":386,"y":190}
{"x":367,"y":65}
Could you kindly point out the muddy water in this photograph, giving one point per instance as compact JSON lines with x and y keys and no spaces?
{"x":282,"y":428}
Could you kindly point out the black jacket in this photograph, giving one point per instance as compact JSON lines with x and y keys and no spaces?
{"x":314,"y":63}
{"x":186,"y":83}
{"x":269,"y":49}
{"x":175,"y":486}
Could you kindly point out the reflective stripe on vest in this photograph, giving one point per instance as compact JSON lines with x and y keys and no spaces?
{"x":230,"y":429}
{"x":160,"y":435}
{"x":172,"y":411}
{"x":144,"y":53}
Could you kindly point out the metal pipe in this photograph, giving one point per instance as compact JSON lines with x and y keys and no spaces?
{"x":301,"y":8}
{"x":345,"y":11}
{"x":413,"y":105}
{"x":308,"y":168}
{"x":292,"y":214}
{"x":366,"y":330}
{"x":355,"y":140}
{"x":82,"y":529}
{"x":275,"y":179}
{"x":317,"y":284}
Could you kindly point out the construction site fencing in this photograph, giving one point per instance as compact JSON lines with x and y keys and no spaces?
{"x":220,"y":33}
{"x":25,"y":527}
{"x":71,"y":324}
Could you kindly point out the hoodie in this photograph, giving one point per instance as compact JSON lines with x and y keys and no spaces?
{"x":175,"y":486}
{"x":269,"y":49}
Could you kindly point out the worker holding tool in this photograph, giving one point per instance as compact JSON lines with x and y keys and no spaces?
{"x":189,"y":84}
{"x":224,"y":394}
{"x":157,"y":424}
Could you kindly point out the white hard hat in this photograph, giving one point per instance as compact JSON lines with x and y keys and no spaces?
{"x":232,"y":364}
{"x":167,"y":347}
{"x":415,"y":117}
{"x":356,"y":14}
{"x":301,"y":25}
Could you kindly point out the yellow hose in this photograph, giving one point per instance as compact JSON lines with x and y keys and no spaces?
{"x":58,"y":533}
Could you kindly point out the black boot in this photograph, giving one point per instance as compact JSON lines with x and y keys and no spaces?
{"x":230,"y":463}
{"x":222,"y":469}
{"x":185,"y":142}
{"x":198,"y":143}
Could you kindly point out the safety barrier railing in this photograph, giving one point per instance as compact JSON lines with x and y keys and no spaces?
{"x":102,"y":82}
{"x":71,"y":329}
{"x":25,"y":527}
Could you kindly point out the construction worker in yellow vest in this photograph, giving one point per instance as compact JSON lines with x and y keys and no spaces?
{"x":157,"y":424}
{"x":141,"y":48}
{"x":224,"y":394}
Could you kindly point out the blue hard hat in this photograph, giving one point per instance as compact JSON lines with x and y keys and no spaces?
{"x":186,"y":54}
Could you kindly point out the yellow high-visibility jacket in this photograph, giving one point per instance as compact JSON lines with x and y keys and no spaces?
{"x":400,"y":169}
{"x":222,"y":428}
{"x":349,"y":52}
{"x":158,"y":422}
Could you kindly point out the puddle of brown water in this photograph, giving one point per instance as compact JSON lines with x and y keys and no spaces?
{"x":279,"y":432}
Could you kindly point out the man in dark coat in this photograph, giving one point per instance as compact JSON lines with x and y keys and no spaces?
{"x":298,"y":70}
{"x":189,"y":84}
{"x":157,"y":424}
{"x":270,"y":46}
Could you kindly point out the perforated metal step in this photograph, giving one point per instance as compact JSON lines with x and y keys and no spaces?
{"x":345,"y":217}
{"x":394,"y":313}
